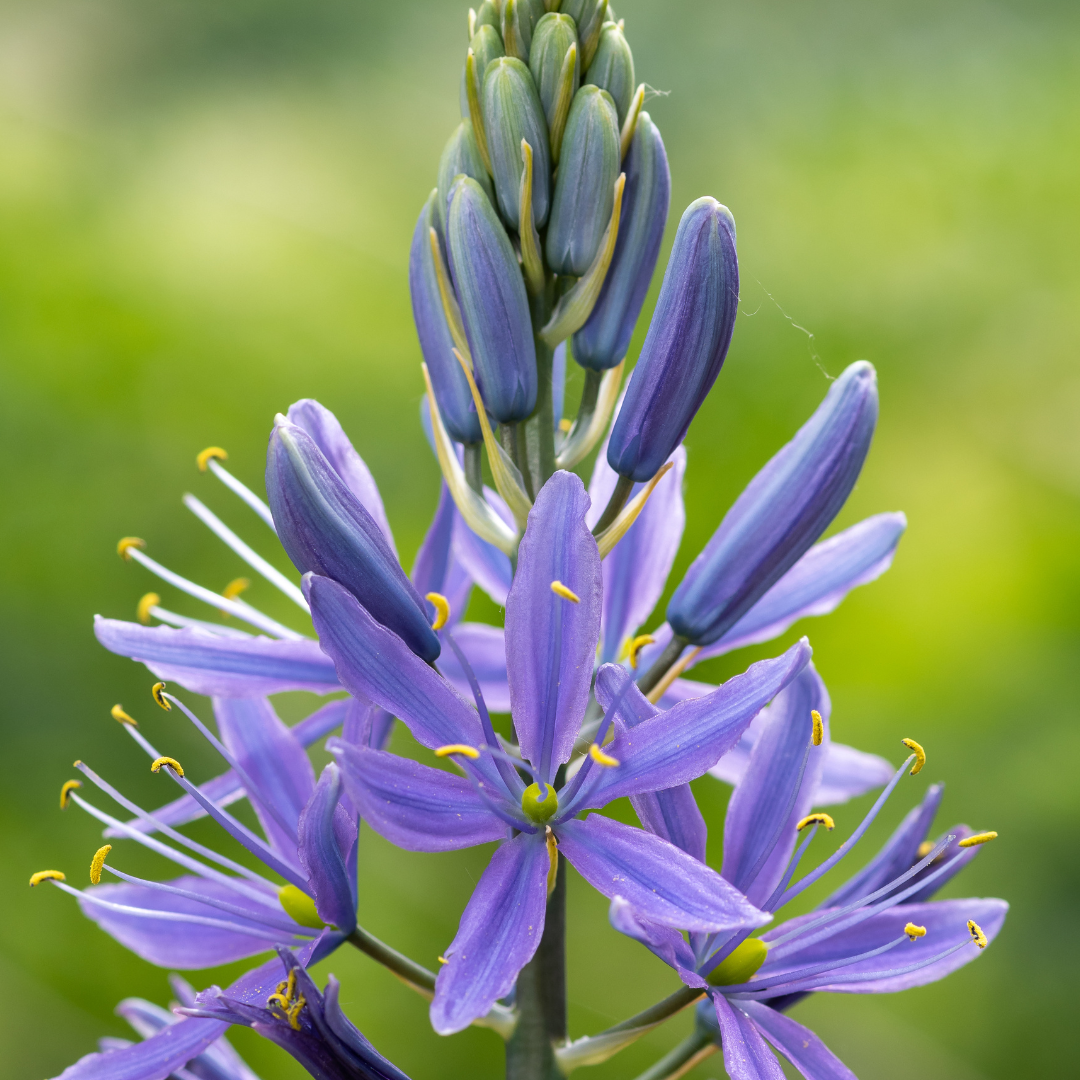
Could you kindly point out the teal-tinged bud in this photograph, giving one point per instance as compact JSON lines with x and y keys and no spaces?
{"x":740,"y":964}
{"x":552,"y":39}
{"x":536,"y":809}
{"x":584,"y":192}
{"x":486,"y":46}
{"x":461,"y":156}
{"x":512,"y":112}
{"x":519,"y":18}
{"x":487,"y":14}
{"x":589,"y":17}
{"x":612,"y":68}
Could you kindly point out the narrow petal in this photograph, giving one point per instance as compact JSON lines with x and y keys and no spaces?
{"x":327,"y":836}
{"x":488,"y":566}
{"x":746,"y":1055}
{"x":498,"y":934}
{"x":663,"y":884}
{"x":551,"y":641}
{"x":662,"y":941}
{"x":437,"y":568}
{"x":412,"y":805}
{"x":797,"y":1043}
{"x":225,"y":667}
{"x":155,"y":1059}
{"x":485,"y":648}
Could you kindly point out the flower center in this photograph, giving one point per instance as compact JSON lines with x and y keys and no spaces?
{"x":740,"y":963}
{"x":539,"y":806}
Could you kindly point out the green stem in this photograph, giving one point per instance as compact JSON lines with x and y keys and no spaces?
{"x":409,"y":971}
{"x":544,"y":416}
{"x":694,"y":1048}
{"x":521,"y":456}
{"x":590,"y":393}
{"x":474,"y":462}
{"x":663,"y":663}
{"x":623,"y":487}
{"x":673,"y":1003}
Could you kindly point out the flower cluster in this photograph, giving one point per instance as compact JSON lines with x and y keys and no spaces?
{"x":538,"y":244}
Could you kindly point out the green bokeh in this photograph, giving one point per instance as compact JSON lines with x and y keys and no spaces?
{"x":205,"y":212}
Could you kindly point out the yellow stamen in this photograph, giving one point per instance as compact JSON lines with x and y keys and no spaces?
{"x":816,"y":819}
{"x":565,"y":424}
{"x":159,"y":697}
{"x":601,"y":758}
{"x":819,"y":727}
{"x":127,"y":542}
{"x":278,"y":998}
{"x":977,"y":935}
{"x":442,"y":959}
{"x":673,"y":672}
{"x":924,"y":849}
{"x":66,"y":790}
{"x":294,"y":1013}
{"x":978,"y":838}
{"x":559,"y":589}
{"x":919,"y":752}
{"x":236,"y":587}
{"x":914,"y":931}
{"x":635,"y":645}
{"x":457,"y":748}
{"x":442,"y":609}
{"x":150,"y":600}
{"x":553,"y":860}
{"x":171,"y":762}
{"x":117,"y":712}
{"x":203,"y":459}
{"x":97,"y":862}
{"x":46,"y":875}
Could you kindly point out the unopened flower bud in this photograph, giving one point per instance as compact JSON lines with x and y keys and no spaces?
{"x":324,"y":528}
{"x":436,"y":342}
{"x":519,"y":17}
{"x":494,"y":306}
{"x":602,"y":342}
{"x":686,"y":343}
{"x":589,"y":17}
{"x":554,"y":35}
{"x":486,"y":46}
{"x":584,"y":190}
{"x":487,"y":14}
{"x":782,"y":512}
{"x":512,"y":112}
{"x":461,"y":156}
{"x":612,"y":68}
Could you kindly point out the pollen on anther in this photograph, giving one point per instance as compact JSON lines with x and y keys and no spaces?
{"x":819,"y":728}
{"x":635,"y":645}
{"x":559,"y":589}
{"x":46,"y":875}
{"x":978,"y":838}
{"x":565,"y":424}
{"x":236,"y":587}
{"x":171,"y":762}
{"x":159,"y":697}
{"x":457,"y":748}
{"x":919,"y":752}
{"x":117,"y":713}
{"x":150,"y":600}
{"x":816,"y":819}
{"x":66,"y":790}
{"x":204,"y":456}
{"x":442,"y":609}
{"x":977,"y":935}
{"x":98,"y":862}
{"x":914,"y":931}
{"x":442,"y":959}
{"x":601,"y":758}
{"x":126,"y":543}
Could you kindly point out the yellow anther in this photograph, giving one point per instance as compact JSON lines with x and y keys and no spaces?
{"x":442,"y":609}
{"x":294,"y":1013}
{"x":635,"y":645}
{"x":236,"y":587}
{"x":977,"y":935}
{"x":117,"y":712}
{"x":565,"y":424}
{"x":126,"y":543}
{"x":978,"y":838}
{"x":553,"y":860}
{"x":46,"y":875}
{"x":601,"y":758}
{"x":97,"y":862}
{"x":159,"y":697}
{"x":819,"y":728}
{"x":204,"y":457}
{"x":816,"y":819}
{"x":919,"y":752}
{"x":559,"y":589}
{"x":924,"y":849}
{"x":279,"y":999}
{"x":150,"y":600}
{"x":442,"y":959}
{"x":171,"y":762}
{"x":66,"y":790}
{"x":914,"y":931}
{"x":457,"y":748}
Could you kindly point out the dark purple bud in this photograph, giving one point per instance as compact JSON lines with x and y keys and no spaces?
{"x":686,"y":343}
{"x":602,"y":342}
{"x":324,"y":528}
{"x":327,"y":836}
{"x":782,"y":512}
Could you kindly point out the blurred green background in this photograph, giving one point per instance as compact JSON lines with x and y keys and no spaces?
{"x":205,"y":212}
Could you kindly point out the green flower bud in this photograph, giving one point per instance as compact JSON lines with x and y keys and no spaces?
{"x":589,"y":17}
{"x":552,"y":39}
{"x":486,"y":46}
{"x":537,"y":809}
{"x":487,"y":15}
{"x":742,"y":962}
{"x":612,"y":68}
{"x":461,"y":155}
{"x":584,"y":191}
{"x":519,"y":17}
{"x":512,"y":112}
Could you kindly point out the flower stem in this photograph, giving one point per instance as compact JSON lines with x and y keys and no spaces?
{"x":673,"y":1003}
{"x":409,"y":971}
{"x":544,"y":416}
{"x":694,"y":1048}
{"x":474,"y":461}
{"x":623,"y":487}
{"x":663,"y":664}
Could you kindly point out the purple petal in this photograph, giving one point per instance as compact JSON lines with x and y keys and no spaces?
{"x":329,"y":436}
{"x":487,"y":565}
{"x":674,"y":815}
{"x":746,"y":1055}
{"x":155,"y":1059}
{"x":225,"y":667}
{"x":683,"y":743}
{"x":777,"y":791}
{"x":797,"y":1043}
{"x":663,"y":884}
{"x":662,"y":941}
{"x":551,"y":641}
{"x":485,"y":648}
{"x":498,"y":934}
{"x":437,"y":568}
{"x":412,"y":805}
{"x":327,"y":836}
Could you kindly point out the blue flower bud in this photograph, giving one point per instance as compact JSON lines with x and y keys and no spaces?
{"x":552,"y":39}
{"x":686,"y":343}
{"x":512,"y":112}
{"x":494,"y":305}
{"x":324,"y":528}
{"x":461,"y":156}
{"x":589,"y":165}
{"x":436,"y":343}
{"x":486,"y":46}
{"x":612,"y":68}
{"x":782,"y":512}
{"x":602,"y":342}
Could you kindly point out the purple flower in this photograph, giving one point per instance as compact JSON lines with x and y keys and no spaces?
{"x":552,"y":627}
